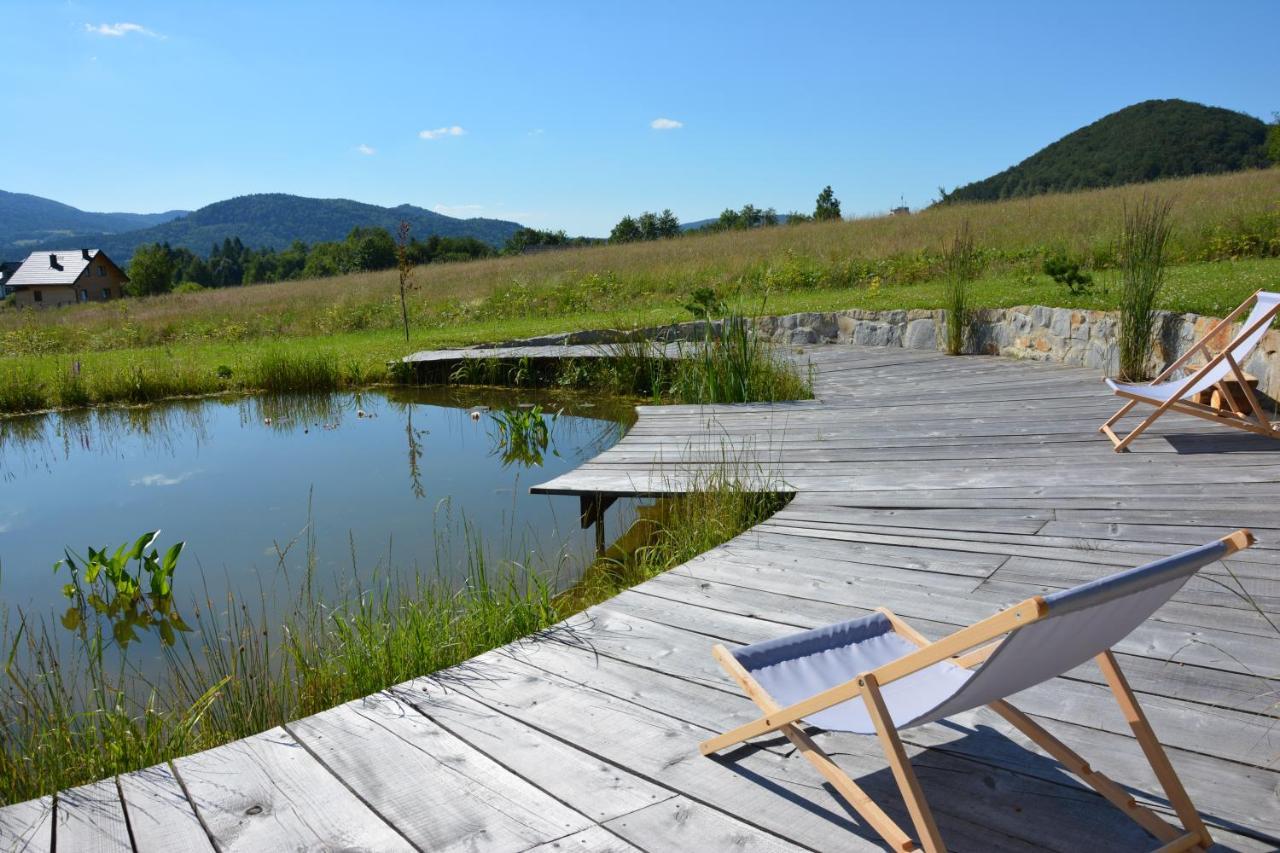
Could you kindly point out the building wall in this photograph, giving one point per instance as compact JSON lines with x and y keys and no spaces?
{"x":101,"y":281}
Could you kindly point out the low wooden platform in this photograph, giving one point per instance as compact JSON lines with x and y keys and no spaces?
{"x":940,"y":487}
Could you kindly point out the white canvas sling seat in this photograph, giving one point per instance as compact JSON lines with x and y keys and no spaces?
{"x":876,"y":675}
{"x":1179,"y":394}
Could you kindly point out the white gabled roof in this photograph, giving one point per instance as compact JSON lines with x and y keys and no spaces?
{"x":37,"y":269}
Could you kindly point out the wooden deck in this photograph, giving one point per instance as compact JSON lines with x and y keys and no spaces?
{"x":940,"y":487}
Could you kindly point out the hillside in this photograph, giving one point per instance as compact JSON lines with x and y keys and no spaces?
{"x":28,"y":221}
{"x":1143,"y":142}
{"x":271,"y":220}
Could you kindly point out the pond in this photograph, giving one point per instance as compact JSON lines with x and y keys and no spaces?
{"x":396,"y":480}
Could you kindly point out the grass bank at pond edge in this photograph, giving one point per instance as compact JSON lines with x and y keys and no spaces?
{"x":34,"y":382}
{"x":226,"y":680}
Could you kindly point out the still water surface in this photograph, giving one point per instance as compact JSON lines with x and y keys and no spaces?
{"x":398,"y":478}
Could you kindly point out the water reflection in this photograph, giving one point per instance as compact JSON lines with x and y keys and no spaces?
{"x":360,"y":477}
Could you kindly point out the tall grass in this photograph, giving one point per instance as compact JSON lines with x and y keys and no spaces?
{"x":281,"y":370}
{"x":1219,"y":217}
{"x":69,"y":716}
{"x":730,"y":364}
{"x":961,"y":265}
{"x":1143,"y":255}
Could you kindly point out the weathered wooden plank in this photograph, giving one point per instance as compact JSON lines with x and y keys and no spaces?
{"x":160,"y":816}
{"x":267,"y":792}
{"x":439,"y":791}
{"x":27,"y":827}
{"x":597,"y":839}
{"x":91,"y":818}
{"x":681,"y":824}
{"x":1231,"y":795}
{"x":570,"y":773}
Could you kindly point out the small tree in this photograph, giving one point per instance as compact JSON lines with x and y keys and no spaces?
{"x":960,"y":262}
{"x":150,"y":271}
{"x":1273,"y":139}
{"x":626,"y":231}
{"x":828,"y":206}
{"x":668,"y":224}
{"x":404,"y":264}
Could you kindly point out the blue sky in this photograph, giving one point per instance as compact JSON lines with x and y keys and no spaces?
{"x":548,"y":109}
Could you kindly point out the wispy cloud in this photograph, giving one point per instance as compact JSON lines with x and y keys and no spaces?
{"x":666,"y":124}
{"x":537,"y":131}
{"x":366,"y":150}
{"x":119,"y":30}
{"x":162,"y":479}
{"x":439,"y":132}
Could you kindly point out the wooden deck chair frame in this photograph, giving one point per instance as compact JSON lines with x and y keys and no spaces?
{"x":1255,"y":420}
{"x":967,"y":648}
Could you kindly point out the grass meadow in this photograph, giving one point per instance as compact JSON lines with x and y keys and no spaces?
{"x":341,"y":332}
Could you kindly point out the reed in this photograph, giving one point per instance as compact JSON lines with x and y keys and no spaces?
{"x":961,"y":265}
{"x":1143,"y":255}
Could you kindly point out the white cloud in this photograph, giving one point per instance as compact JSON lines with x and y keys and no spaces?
{"x":366,"y":150}
{"x":537,"y":131}
{"x":441,"y":131}
{"x":162,"y":479}
{"x":121,"y":29}
{"x":665,"y":124}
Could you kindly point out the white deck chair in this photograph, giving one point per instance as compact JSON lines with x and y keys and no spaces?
{"x":903,"y":680}
{"x":1179,"y":394}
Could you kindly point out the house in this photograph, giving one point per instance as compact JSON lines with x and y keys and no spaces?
{"x":7,"y":269}
{"x":62,"y":277}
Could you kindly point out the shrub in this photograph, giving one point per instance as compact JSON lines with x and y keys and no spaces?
{"x":1066,"y":271}
{"x":960,"y":263}
{"x":1142,"y":257}
{"x":188,"y":287}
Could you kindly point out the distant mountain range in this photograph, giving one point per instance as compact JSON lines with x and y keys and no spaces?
{"x":1143,"y":142}
{"x":29,"y":223}
{"x":34,"y":221}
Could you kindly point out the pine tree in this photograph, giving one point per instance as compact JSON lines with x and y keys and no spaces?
{"x":828,"y":206}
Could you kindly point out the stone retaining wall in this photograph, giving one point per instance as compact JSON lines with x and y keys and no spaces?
{"x":1065,"y":335}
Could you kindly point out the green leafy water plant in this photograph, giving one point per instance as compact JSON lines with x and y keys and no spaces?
{"x":129,"y":589}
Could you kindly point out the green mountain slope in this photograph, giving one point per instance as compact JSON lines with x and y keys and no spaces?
{"x":1144,"y":142}
{"x":269,"y":220}
{"x":27,"y":221}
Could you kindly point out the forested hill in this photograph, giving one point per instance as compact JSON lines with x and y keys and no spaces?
{"x":275,"y":220}
{"x":29,"y":221}
{"x":1144,"y":142}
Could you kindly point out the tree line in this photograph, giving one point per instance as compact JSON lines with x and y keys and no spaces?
{"x":161,"y":268}
{"x":665,"y":225}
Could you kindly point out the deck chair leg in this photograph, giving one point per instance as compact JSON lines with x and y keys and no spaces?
{"x":1137,"y":719}
{"x":1106,"y":428}
{"x":861,"y":802}
{"x":908,"y":784}
{"x":1104,"y":785}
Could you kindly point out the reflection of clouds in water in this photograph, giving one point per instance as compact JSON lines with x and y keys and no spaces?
{"x":11,"y":518}
{"x":162,"y":479}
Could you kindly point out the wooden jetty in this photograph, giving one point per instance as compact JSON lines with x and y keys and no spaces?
{"x":940,"y":487}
